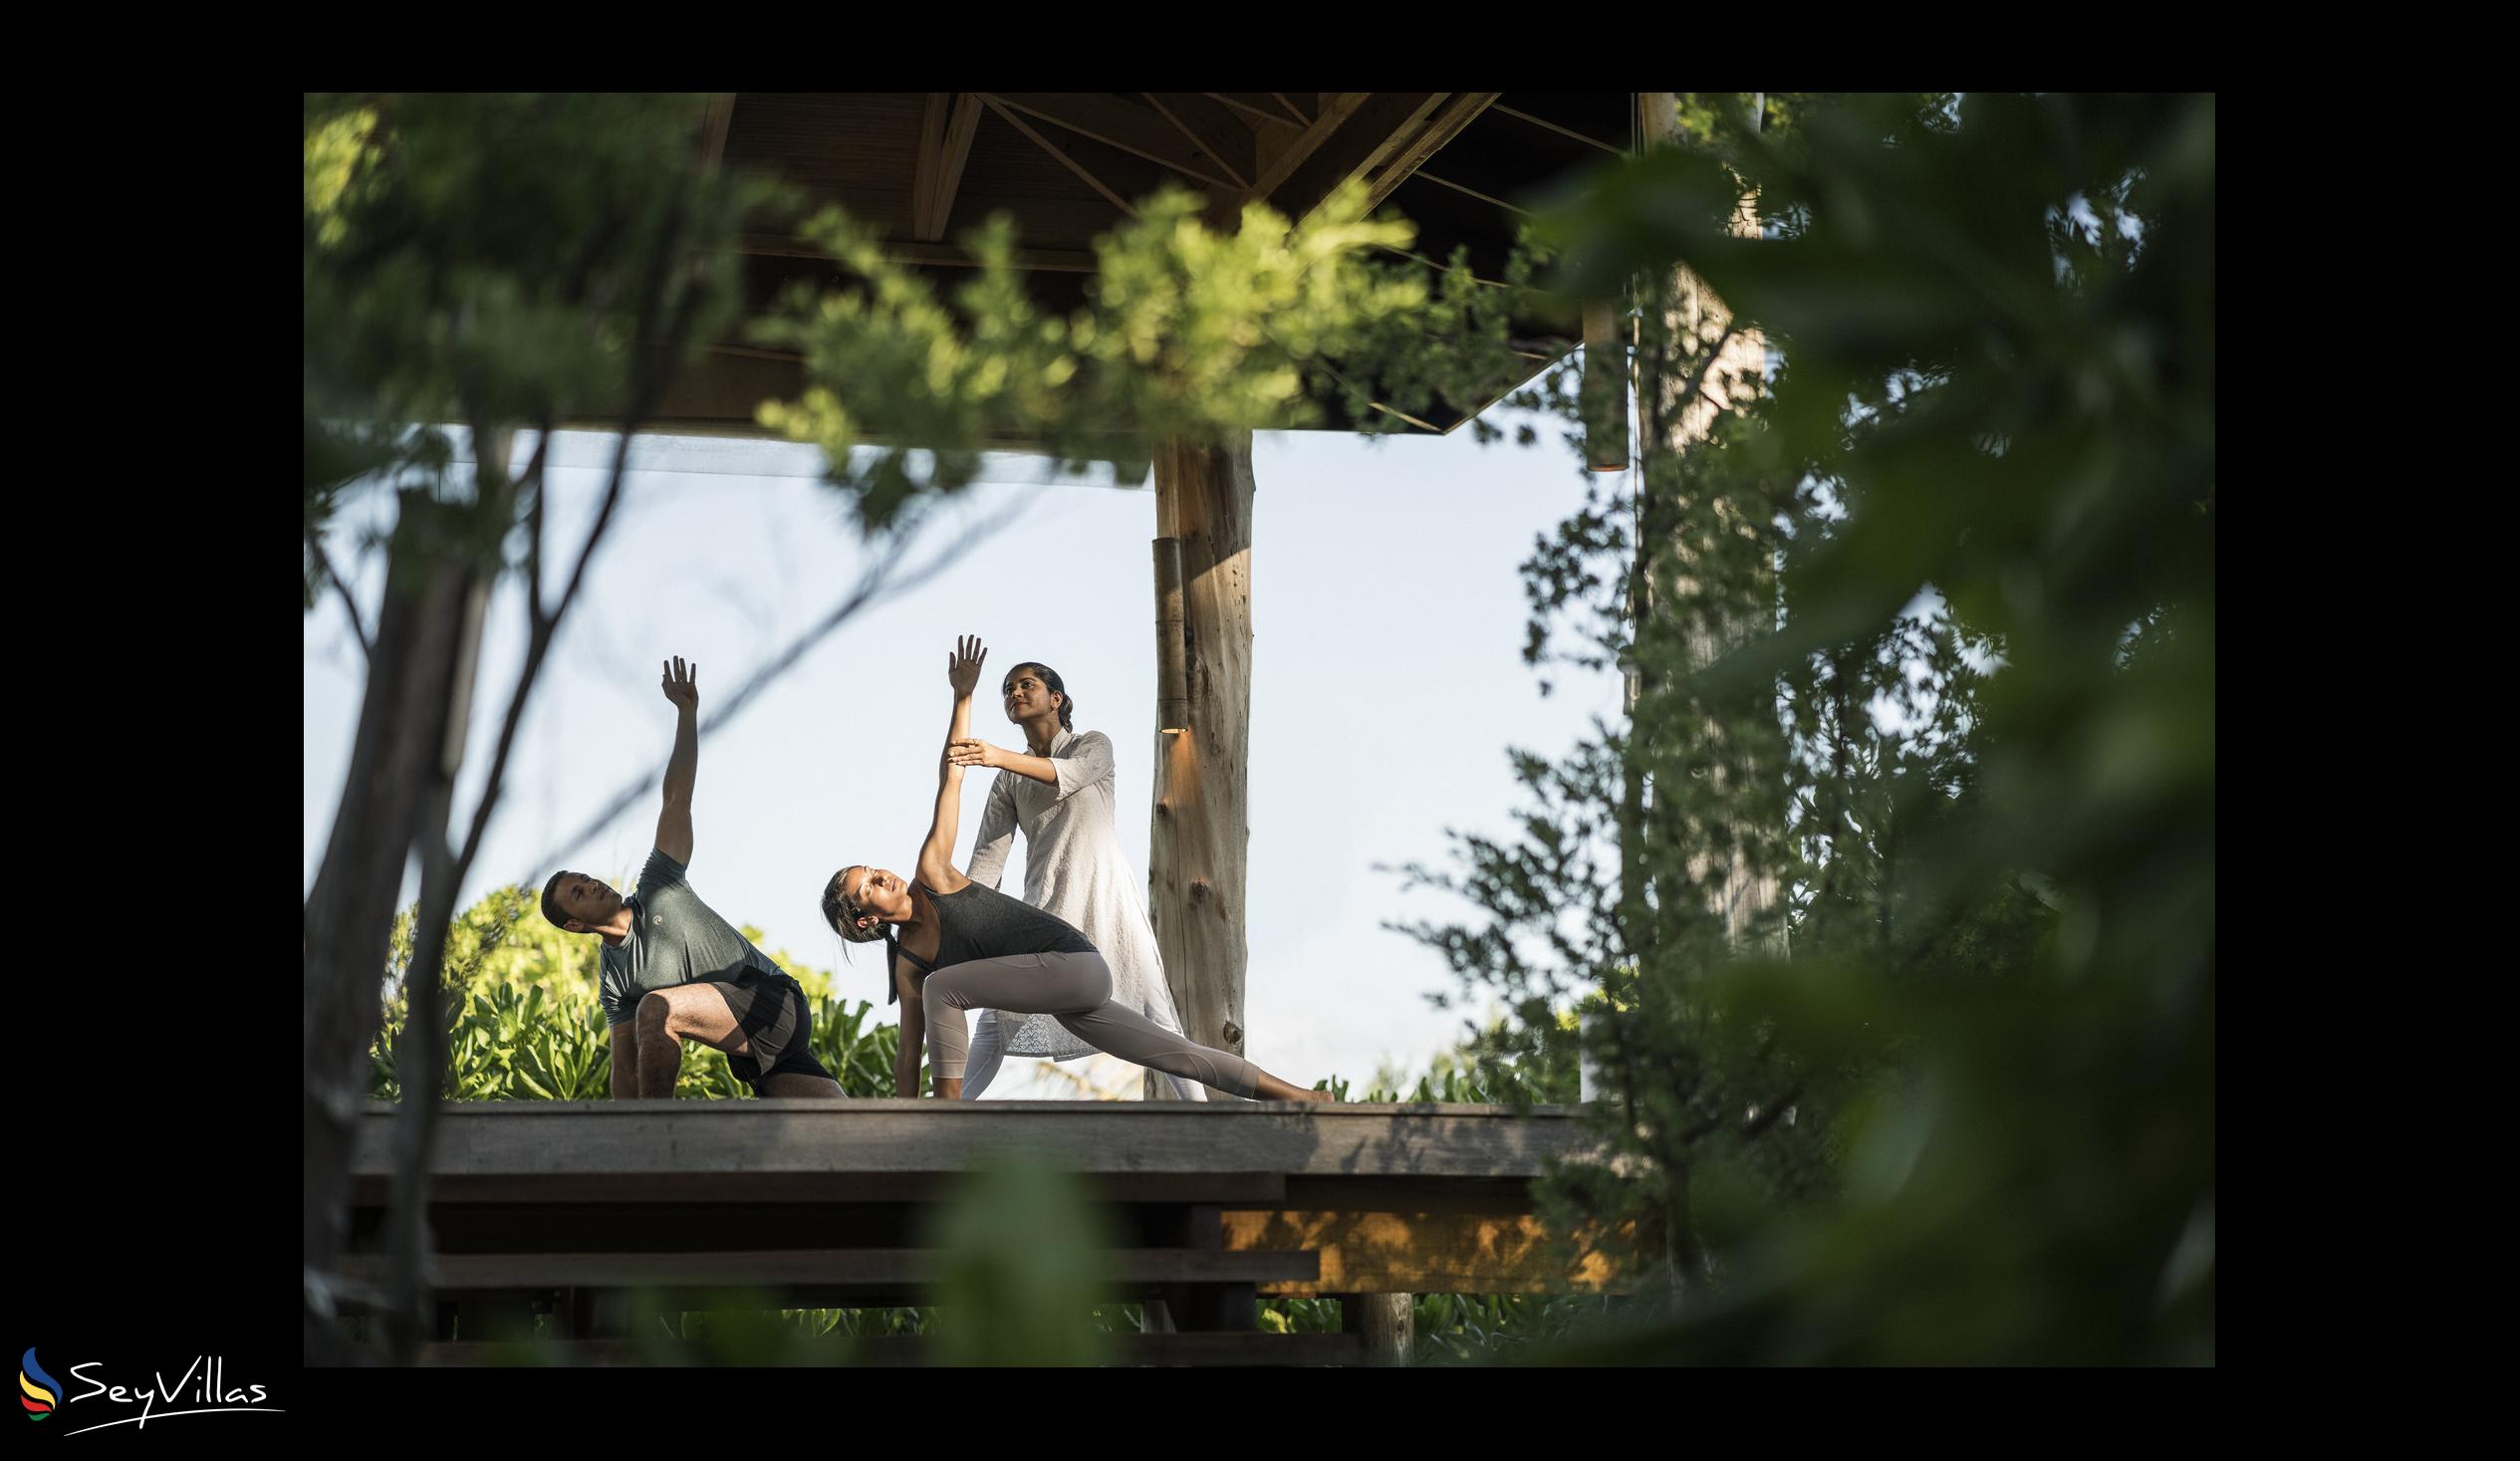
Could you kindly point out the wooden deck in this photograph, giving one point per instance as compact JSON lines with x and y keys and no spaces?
{"x":820,"y":1203}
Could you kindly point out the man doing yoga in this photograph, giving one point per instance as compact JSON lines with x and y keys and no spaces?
{"x":674,"y":969}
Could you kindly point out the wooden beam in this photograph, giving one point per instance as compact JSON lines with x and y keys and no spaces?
{"x":740,"y":1142}
{"x":1471,"y":191}
{"x":721,"y":116}
{"x":932,"y":159}
{"x":1218,"y":137}
{"x":1255,"y":105}
{"x":1371,"y":136}
{"x":657,"y":1190}
{"x":1072,"y":164}
{"x":911,"y":251}
{"x":1563,"y":131}
{"x":941,"y":167}
{"x":1133,"y":130}
{"x":1298,"y":112}
{"x":1440,"y":127}
{"x":891,"y":1268}
{"x":1280,"y":158}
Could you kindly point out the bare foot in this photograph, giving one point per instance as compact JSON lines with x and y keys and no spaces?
{"x":1271,"y":1087}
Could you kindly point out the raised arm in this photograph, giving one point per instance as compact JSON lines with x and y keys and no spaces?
{"x":936,"y":855}
{"x":673,"y":823}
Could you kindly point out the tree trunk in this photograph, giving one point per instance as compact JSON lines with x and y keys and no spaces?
{"x":420,"y":638}
{"x":1197,"y":854}
{"x":422,"y":1059}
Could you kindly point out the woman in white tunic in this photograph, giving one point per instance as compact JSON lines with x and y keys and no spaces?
{"x":1059,"y":793}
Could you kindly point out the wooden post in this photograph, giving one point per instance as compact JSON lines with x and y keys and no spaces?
{"x":1603,"y":390}
{"x":1387,"y":1321}
{"x":1690,"y":310}
{"x":1202,"y":832}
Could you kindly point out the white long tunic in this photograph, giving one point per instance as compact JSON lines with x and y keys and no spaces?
{"x":1074,"y":869}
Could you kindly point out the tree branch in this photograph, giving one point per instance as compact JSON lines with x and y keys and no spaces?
{"x":1768,"y":1114}
{"x":875,"y":579}
{"x":534,"y":476}
{"x":350,"y":605}
{"x":652,"y":357}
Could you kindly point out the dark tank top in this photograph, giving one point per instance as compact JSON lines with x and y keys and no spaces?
{"x":983,"y":923}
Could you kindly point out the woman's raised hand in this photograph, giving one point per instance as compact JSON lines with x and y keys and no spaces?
{"x":962,"y":668}
{"x":973,"y":750}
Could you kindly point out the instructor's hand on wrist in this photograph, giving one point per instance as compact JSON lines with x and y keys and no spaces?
{"x":973,"y":750}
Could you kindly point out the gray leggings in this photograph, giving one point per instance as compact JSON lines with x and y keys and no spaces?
{"x":1076,"y":990}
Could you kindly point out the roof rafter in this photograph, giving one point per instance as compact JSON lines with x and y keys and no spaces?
{"x":1441,"y":127}
{"x":1337,"y":108}
{"x":1422,"y":174}
{"x":1240,"y":101}
{"x":1117,"y":123}
{"x":721,"y":116}
{"x":1070,"y":163}
{"x":1348,"y":144}
{"x":945,"y":144}
{"x":1212,"y":141}
{"x":1563,"y":131}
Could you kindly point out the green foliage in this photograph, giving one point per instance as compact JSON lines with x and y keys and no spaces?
{"x":1490,"y":1068}
{"x":500,"y":260}
{"x":1189,"y":333}
{"x":1926,"y":640}
{"x":1458,"y":1329}
{"x":1022,"y":1244}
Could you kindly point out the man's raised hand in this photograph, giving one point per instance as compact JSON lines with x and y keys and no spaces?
{"x":681,"y":683}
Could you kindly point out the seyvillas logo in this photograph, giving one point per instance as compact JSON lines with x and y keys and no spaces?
{"x":42,"y":1392}
{"x":203,"y":1388}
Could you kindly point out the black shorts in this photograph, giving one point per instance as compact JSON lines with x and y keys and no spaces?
{"x":778,"y":1026}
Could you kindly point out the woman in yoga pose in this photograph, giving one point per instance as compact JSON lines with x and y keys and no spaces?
{"x":957,"y":946}
{"x":1058,"y":790}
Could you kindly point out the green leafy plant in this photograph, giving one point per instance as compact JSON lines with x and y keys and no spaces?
{"x":1894,"y":894}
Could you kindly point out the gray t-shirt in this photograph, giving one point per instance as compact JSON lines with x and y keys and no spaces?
{"x":674,"y":938}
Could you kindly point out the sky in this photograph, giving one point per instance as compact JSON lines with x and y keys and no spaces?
{"x":1387,"y":683}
